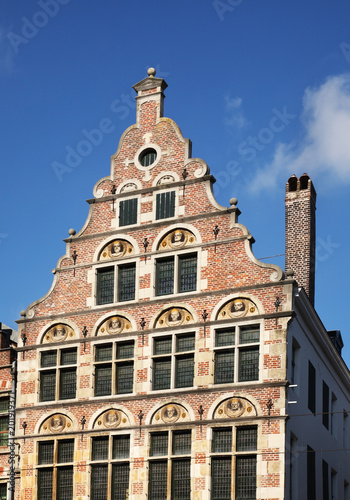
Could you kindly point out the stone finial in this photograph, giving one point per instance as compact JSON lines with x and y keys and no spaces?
{"x":151,"y":72}
{"x":72,"y":232}
{"x":23,"y":314}
{"x":233,"y":201}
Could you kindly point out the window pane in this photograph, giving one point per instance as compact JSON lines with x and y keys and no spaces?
{"x":65,"y":451}
{"x":126,"y":282}
{"x":103,"y":352}
{"x":68,"y":382}
{"x":69,"y":357}
{"x":100,"y":448}
{"x":105,"y":285}
{"x":161,"y":374}
{"x":103,"y":380}
{"x":120,"y":481}
{"x":246,"y":438}
{"x":249,"y":334}
{"x":45,"y":480}
{"x":48,"y":358}
{"x":312,"y":388}
{"x":249,"y":364}
{"x":125,"y":378}
{"x":128,"y":212}
{"x":246,"y":478}
{"x":165,"y":205}
{"x":187,"y":273}
{"x":48,"y":386}
{"x":221,"y":478}
{"x":4,"y":425}
{"x":159,"y":444}
{"x":165,"y":276}
{"x":65,"y":483}
{"x":162,"y":345}
{"x":222,"y":440}
{"x":121,"y":446}
{"x":99,"y":482}
{"x":224,"y":367}
{"x":4,"y":406}
{"x":46,"y":452}
{"x":181,"y":480}
{"x":225,"y":337}
{"x":184,"y":371}
{"x":185,"y":342}
{"x":3,"y":491}
{"x":181,"y":442}
{"x":158,"y":480}
{"x":125,"y":350}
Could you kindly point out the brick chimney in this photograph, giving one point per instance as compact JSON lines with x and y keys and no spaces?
{"x":301,"y":231}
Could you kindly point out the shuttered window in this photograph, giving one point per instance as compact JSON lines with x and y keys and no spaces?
{"x":128,"y":212}
{"x":165,"y":205}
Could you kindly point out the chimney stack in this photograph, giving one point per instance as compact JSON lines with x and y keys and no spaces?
{"x":301,"y":232}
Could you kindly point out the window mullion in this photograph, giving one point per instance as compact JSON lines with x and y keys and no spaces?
{"x":116,"y":278}
{"x":176,"y":274}
{"x":169,"y":477}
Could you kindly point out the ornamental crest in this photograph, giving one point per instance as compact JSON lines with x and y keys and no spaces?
{"x":58,"y":333}
{"x":114,"y":325}
{"x":235,"y":408}
{"x":238,"y":308}
{"x":111,"y":419}
{"x":177,"y":239}
{"x":170,"y":414}
{"x":56,"y":424}
{"x":174,"y":317}
{"x":117,"y":249}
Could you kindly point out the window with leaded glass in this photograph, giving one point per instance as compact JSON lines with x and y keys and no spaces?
{"x":3,"y":491}
{"x":170,"y":464}
{"x":110,"y":467}
{"x":58,"y":374}
{"x":173,"y":361}
{"x":233,"y":463}
{"x":176,"y":274}
{"x":165,"y":205}
{"x":116,"y":283}
{"x":55,"y":469}
{"x":236,"y":356}
{"x":4,"y":421}
{"x":128,"y":212}
{"x":114,"y":368}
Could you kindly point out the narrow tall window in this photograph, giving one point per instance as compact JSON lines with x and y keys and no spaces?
{"x":233,"y":463}
{"x":114,"y":368}
{"x":128,"y":212}
{"x":58,"y":377}
{"x":4,"y":421}
{"x":165,"y":205}
{"x":3,"y":491}
{"x":55,"y":469}
{"x":325,"y":405}
{"x":105,"y":285}
{"x":237,"y":354}
{"x":311,"y":474}
{"x":170,"y":465}
{"x":325,"y":481}
{"x":110,"y":467}
{"x":334,"y":416}
{"x":312,"y":388}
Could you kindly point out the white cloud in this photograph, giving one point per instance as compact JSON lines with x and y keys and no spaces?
{"x":325,"y":149}
{"x":235,"y":117}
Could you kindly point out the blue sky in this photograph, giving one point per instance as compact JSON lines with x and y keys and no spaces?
{"x":67,"y":66}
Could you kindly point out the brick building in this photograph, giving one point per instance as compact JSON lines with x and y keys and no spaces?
{"x":158,"y":365}
{"x":7,"y":396}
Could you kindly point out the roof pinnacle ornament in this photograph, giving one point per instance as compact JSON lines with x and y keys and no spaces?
{"x":151,"y":72}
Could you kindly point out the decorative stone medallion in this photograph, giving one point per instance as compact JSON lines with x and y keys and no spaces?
{"x":234,"y":408}
{"x":177,"y":239}
{"x":166,"y":179}
{"x":58,"y":333}
{"x":56,"y":423}
{"x":238,"y":308}
{"x":170,"y":414}
{"x":114,"y":325}
{"x":174,"y":317}
{"x":130,"y":186}
{"x":117,"y":249}
{"x":111,"y":418}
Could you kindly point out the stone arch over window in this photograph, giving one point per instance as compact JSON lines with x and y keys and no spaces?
{"x":170,"y":413}
{"x":173,"y":316}
{"x":237,"y":406}
{"x":116,"y":249}
{"x":238,"y":306}
{"x":110,"y":418}
{"x":58,"y":332}
{"x":113,"y":325}
{"x":56,"y":423}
